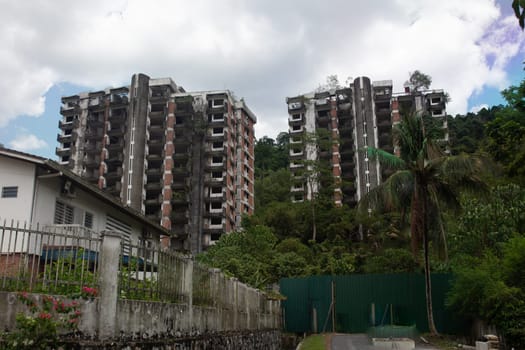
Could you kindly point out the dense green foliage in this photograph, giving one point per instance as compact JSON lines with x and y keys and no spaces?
{"x":483,"y":233}
{"x":425,"y":179}
{"x":258,"y":258}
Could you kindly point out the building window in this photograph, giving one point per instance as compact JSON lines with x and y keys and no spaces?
{"x":216,"y":221}
{"x":218,"y":131}
{"x":88,"y":220}
{"x":298,"y":198}
{"x":217,"y":103}
{"x":216,"y":174}
{"x":64,"y":214}
{"x":216,"y":117}
{"x":9,"y":191}
{"x":216,"y":190}
{"x":115,"y":225}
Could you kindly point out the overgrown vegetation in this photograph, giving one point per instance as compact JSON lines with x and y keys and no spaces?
{"x":46,"y":319}
{"x":481,"y":233}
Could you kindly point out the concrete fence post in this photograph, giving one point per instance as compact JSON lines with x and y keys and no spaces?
{"x":235,"y":283}
{"x":108,"y":284}
{"x":187,"y":289}
{"x":217,"y":295}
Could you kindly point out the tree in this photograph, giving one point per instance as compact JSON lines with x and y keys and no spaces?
{"x":274,"y":187}
{"x":486,"y":223}
{"x":492,"y":288}
{"x":332,"y":82}
{"x":246,"y":255}
{"x":317,"y":172}
{"x":270,"y":156}
{"x":425,"y":180}
{"x":419,"y":80}
{"x":519,"y":10}
{"x":506,"y":133}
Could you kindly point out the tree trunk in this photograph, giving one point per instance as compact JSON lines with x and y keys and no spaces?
{"x":419,"y":230}
{"x":428,"y":291}
{"x":416,"y":222}
{"x":314,"y":227}
{"x":428,"y":285}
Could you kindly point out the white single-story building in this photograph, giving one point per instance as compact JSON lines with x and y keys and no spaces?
{"x":38,"y":191}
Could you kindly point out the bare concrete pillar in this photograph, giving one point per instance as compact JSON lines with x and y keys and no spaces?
{"x":235,"y":304}
{"x":187,"y":289}
{"x":108,"y":284}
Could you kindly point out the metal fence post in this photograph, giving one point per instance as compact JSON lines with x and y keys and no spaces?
{"x":108,"y":284}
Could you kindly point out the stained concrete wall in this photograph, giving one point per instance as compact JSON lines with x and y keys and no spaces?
{"x":155,"y":325}
{"x":229,"y":306}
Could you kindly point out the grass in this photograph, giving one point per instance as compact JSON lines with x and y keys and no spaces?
{"x":443,"y":342}
{"x":314,"y":342}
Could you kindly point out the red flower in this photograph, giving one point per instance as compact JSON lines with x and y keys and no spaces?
{"x":92,"y":292}
{"x":44,"y":316}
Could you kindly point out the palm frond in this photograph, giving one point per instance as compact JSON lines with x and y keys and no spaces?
{"x":442,"y":192}
{"x":463,"y":171}
{"x":385,"y":158}
{"x":394,"y":193}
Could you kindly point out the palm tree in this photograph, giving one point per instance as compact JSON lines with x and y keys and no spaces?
{"x":424,"y":180}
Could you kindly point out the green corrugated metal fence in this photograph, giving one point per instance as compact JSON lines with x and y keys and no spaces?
{"x":363,"y":301}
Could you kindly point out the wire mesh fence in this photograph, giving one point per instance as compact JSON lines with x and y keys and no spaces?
{"x":58,"y":259}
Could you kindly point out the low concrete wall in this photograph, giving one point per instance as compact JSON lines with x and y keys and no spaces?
{"x":258,"y":340}
{"x":209,"y":307}
{"x":155,"y":325}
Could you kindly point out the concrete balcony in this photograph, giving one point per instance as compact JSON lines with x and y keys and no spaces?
{"x":295,"y":106}
{"x":296,"y":118}
{"x":69,"y":107}
{"x":295,"y":130}
{"x":59,"y":151}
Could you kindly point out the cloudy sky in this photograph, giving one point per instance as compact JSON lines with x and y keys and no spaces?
{"x":262,"y":50}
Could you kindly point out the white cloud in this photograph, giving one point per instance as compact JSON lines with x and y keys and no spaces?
{"x":476,"y":109}
{"x":27,"y":142}
{"x":262,"y":50}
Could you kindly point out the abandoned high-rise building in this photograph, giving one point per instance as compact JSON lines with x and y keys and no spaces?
{"x":355,"y":117}
{"x":184,"y":159}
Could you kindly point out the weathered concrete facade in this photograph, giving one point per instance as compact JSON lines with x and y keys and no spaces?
{"x":184,"y":159}
{"x":356,"y":117}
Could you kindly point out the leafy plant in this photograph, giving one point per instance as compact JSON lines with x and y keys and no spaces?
{"x":48,"y":317}
{"x":68,"y":274}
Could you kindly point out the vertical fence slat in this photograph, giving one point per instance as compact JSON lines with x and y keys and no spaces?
{"x":46,"y":259}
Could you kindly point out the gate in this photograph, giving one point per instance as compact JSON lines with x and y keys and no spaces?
{"x":355,"y":303}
